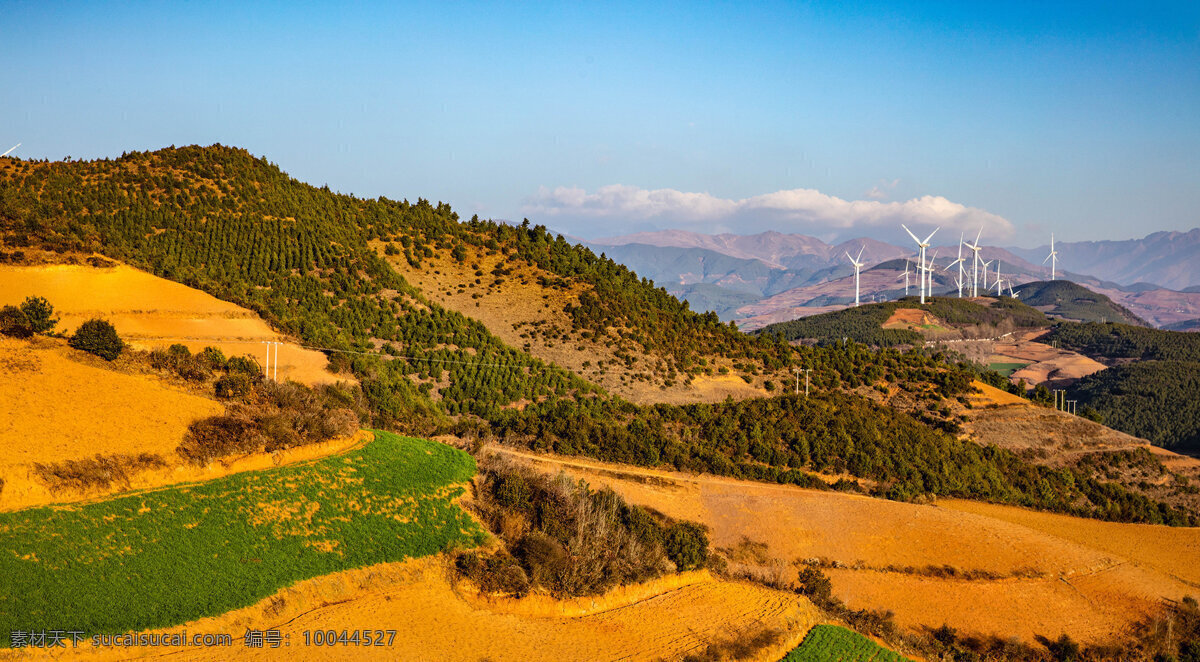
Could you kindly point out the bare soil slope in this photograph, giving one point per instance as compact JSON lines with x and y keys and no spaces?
{"x":1014,"y":573}
{"x":525,"y":310}
{"x":150,"y":312}
{"x":1047,"y":365}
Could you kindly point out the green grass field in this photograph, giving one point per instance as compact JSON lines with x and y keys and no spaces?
{"x":163,"y":557}
{"x":1007,"y":369}
{"x":830,"y":643}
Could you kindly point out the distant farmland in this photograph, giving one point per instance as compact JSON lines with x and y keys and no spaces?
{"x":164,"y":557}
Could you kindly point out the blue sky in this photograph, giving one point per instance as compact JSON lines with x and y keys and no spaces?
{"x":1081,"y":119}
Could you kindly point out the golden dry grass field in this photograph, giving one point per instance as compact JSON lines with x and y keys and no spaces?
{"x":150,"y":312}
{"x":59,"y":404}
{"x":1015,"y":572}
{"x":436,"y":620}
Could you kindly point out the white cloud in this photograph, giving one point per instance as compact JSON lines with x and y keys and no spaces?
{"x":618,"y":208}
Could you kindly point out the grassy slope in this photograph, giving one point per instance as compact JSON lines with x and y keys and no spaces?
{"x":161,"y":558}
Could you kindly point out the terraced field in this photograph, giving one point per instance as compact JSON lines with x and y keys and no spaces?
{"x":664,"y":619}
{"x":164,"y":557}
{"x":150,"y":312}
{"x":982,"y":569}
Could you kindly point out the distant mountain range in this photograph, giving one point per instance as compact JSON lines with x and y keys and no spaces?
{"x":771,"y":276}
{"x":1167,"y":259}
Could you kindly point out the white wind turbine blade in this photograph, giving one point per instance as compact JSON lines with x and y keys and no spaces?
{"x":860,"y":251}
{"x":926,"y":242}
{"x":11,"y":149}
{"x":911,"y":234}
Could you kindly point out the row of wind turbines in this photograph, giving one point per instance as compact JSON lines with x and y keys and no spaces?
{"x":925,"y":269}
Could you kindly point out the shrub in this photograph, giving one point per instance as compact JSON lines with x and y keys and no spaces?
{"x":234,"y":385}
{"x":14,"y":323}
{"x":686,"y":545}
{"x":98,"y":337}
{"x":244,"y":365}
{"x":40,"y":314}
{"x":815,"y":586}
{"x":212,"y":358}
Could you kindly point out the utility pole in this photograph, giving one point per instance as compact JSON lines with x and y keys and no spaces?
{"x":268,"y":373}
{"x":798,"y":371}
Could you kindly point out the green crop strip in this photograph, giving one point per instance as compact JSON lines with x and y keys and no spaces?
{"x":830,"y":643}
{"x":164,"y":557}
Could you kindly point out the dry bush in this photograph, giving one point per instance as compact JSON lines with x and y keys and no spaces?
{"x":272,"y":417}
{"x":567,"y":539}
{"x":100,"y":471}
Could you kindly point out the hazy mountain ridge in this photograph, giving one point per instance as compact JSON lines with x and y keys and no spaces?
{"x":794,"y":275}
{"x":1168,"y":259}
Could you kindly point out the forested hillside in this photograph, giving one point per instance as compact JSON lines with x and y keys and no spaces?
{"x":319,"y":265}
{"x":1068,"y":300}
{"x":1155,"y":396}
{"x":864,"y":324}
{"x":1122,"y":341}
{"x":1155,"y":400}
{"x":237,"y":227}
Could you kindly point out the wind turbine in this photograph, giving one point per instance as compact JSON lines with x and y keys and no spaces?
{"x":1053,"y":256}
{"x":975,"y":264}
{"x":999,"y":280}
{"x":959,"y":262}
{"x":929,"y":275}
{"x":857,"y":265}
{"x":985,"y":266}
{"x":922,"y":245}
{"x":906,"y":263}
{"x":1010,"y":289}
{"x":11,"y":149}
